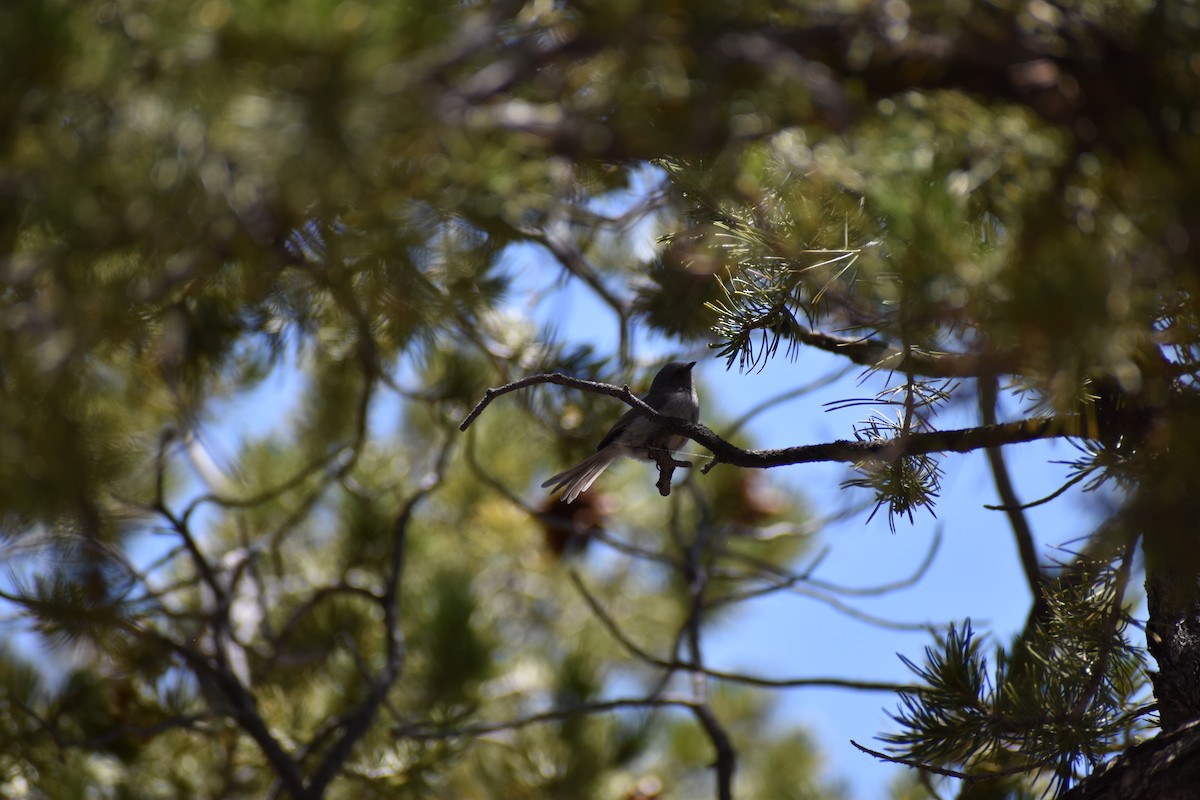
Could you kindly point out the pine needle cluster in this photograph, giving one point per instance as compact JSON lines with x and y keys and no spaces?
{"x":1051,"y":707}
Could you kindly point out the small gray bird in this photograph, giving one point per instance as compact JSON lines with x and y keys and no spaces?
{"x":635,"y":436}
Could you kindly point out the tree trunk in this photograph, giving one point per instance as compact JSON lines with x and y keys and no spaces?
{"x":1166,"y":767}
{"x":1163,"y":509}
{"x":1173,"y":638}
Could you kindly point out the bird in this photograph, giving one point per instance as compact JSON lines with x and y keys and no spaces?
{"x":634,"y":435}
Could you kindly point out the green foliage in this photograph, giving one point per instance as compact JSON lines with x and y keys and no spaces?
{"x":903,"y":484}
{"x":459,"y":656}
{"x":1061,"y":700}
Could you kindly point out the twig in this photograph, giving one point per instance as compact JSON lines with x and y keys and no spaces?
{"x":666,"y":463}
{"x":421,"y":733}
{"x":802,"y":683}
{"x":266,"y":495}
{"x":792,"y":585}
{"x":782,"y":580}
{"x":886,"y":588}
{"x":1040,"y":501}
{"x":676,"y":665}
{"x":951,"y":773}
{"x":567,"y":253}
{"x":614,"y":629}
{"x":632,"y":550}
{"x":318,"y":596}
{"x":621,"y":393}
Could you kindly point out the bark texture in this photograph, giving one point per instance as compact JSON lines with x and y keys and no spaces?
{"x":1173,"y":638}
{"x":1166,"y":767}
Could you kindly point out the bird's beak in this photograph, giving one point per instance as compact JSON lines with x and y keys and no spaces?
{"x":691,"y":364}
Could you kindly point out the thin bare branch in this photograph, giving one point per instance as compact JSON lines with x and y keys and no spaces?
{"x":614,"y":629}
{"x":809,"y":683}
{"x":795,"y":586}
{"x":887,"y":588}
{"x":782,"y":578}
{"x":576,"y":264}
{"x":317,"y":597}
{"x":266,"y":495}
{"x":1040,"y":501}
{"x":419,"y":732}
{"x":675,"y":665}
{"x":988,"y":394}
{"x":951,"y":773}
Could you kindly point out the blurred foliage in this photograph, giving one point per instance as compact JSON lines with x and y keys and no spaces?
{"x":203,"y":201}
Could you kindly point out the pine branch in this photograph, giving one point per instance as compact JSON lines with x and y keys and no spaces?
{"x":1058,"y":698}
{"x":949,"y":773}
{"x":885,"y":450}
{"x":878,"y":354}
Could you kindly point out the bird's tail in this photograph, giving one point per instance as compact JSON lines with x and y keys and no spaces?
{"x":579,"y":477}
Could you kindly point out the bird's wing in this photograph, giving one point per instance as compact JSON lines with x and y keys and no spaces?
{"x":618,"y":427}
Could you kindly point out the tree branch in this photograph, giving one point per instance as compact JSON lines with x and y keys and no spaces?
{"x":675,"y":665}
{"x":950,"y":773}
{"x":242,"y":707}
{"x":725,"y":760}
{"x":418,"y":732}
{"x":878,"y":354}
{"x":886,"y":450}
{"x":697,"y":573}
{"x":1017,"y":520}
{"x":572,"y":260}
